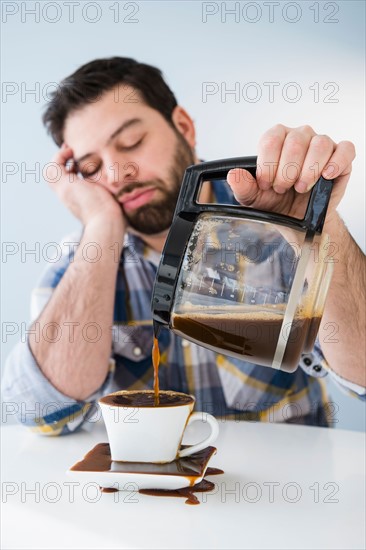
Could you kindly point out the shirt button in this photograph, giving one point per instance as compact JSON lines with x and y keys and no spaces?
{"x":185,"y":343}
{"x":137,"y":351}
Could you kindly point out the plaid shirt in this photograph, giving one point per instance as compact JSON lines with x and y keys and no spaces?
{"x":226,"y":387}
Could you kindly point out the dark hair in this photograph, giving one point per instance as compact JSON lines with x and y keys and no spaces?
{"x":91,"y":80}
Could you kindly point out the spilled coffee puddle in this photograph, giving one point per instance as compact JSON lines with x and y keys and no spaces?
{"x":192,"y":467}
{"x":203,"y":486}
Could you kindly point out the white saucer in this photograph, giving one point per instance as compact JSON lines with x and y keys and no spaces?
{"x":97,"y":467}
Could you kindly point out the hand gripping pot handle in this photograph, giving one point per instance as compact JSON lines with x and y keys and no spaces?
{"x":194,"y":176}
{"x":214,"y":425}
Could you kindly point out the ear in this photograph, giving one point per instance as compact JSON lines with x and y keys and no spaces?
{"x":185,"y":125}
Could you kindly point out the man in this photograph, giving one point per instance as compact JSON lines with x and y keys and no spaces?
{"x":124,"y":145}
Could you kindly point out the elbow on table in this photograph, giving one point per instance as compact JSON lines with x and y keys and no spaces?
{"x":51,"y":419}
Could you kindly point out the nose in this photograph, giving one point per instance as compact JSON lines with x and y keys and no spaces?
{"x":118,"y":173}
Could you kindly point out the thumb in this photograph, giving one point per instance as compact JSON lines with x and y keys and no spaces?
{"x":243,"y":185}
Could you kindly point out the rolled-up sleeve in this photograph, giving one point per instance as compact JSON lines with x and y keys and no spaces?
{"x":30,"y":397}
{"x":27,"y":394}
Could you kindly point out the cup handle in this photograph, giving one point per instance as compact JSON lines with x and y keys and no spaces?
{"x":214,"y":425}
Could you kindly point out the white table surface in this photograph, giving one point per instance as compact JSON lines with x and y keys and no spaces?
{"x":284,"y":486}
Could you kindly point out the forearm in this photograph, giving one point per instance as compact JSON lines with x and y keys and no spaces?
{"x":75,"y":328}
{"x":342,"y":331}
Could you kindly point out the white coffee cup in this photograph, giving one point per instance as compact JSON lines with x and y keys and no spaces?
{"x":152,"y":433}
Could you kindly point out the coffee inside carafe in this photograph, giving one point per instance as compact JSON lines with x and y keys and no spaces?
{"x":248,"y":334}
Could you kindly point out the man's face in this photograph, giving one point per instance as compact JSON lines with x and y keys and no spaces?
{"x":129,"y":148}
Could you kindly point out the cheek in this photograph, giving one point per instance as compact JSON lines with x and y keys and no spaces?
{"x":155,"y":162}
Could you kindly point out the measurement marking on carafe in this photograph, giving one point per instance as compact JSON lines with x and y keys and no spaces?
{"x":212,"y":290}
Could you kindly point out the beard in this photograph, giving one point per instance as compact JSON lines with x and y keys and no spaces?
{"x":156,"y":217}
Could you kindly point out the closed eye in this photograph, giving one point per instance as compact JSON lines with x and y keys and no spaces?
{"x":87,"y":174}
{"x":130,"y":147}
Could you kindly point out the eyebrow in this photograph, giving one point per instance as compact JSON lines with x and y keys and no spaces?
{"x":120,"y":129}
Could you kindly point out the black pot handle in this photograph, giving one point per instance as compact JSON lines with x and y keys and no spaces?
{"x":218,"y":169}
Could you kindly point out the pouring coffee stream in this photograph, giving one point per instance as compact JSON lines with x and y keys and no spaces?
{"x":156,"y":361}
{"x":210,"y":290}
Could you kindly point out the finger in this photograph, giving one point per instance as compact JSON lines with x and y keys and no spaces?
{"x":243,"y":185}
{"x":269,"y":151}
{"x":320,"y":151}
{"x":339,"y":163}
{"x":293,"y":154}
{"x":65,"y":159}
{"x":58,"y":168}
{"x":63,"y":154}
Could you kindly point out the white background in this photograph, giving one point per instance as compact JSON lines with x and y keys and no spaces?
{"x":316,"y":45}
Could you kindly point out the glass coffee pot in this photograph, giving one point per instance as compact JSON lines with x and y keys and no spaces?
{"x":244,"y":282}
